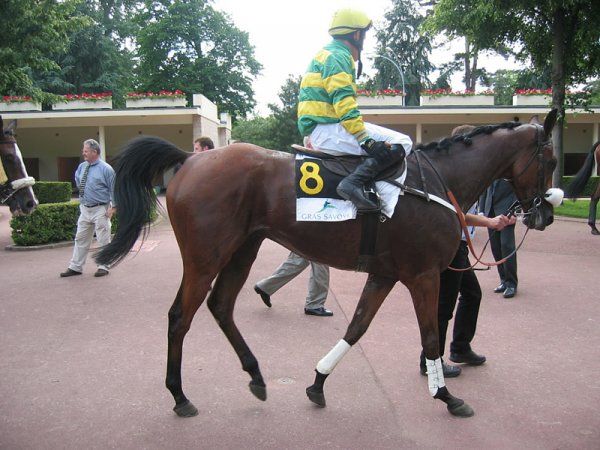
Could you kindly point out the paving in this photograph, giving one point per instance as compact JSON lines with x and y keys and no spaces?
{"x":82,"y":360}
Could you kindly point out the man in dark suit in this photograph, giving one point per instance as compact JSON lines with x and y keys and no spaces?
{"x":496,"y":200}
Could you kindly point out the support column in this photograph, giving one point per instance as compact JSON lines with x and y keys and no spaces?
{"x":102,"y":142}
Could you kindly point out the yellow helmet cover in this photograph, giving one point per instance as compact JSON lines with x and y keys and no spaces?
{"x":346,"y":21}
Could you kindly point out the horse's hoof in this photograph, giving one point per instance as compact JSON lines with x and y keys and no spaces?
{"x":463,"y":410}
{"x":595,"y":231}
{"x":317,"y":397}
{"x":259,"y":391}
{"x":186,"y":409}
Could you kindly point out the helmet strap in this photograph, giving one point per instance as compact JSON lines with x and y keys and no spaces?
{"x":360,"y":67}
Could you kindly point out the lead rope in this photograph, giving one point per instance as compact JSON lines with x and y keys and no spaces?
{"x":464,"y":226}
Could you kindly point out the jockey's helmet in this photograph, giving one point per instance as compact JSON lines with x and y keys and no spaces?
{"x":347,"y":20}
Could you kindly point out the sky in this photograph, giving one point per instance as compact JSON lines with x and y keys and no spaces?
{"x":286,"y":34}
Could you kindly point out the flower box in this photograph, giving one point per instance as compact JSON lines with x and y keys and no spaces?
{"x":531,"y":100}
{"x":388,"y":100}
{"x":457,"y":100}
{"x":20,"y":106}
{"x":134,"y":102}
{"x":83,"y":104}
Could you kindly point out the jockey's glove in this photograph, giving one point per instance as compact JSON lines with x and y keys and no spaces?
{"x":378,"y":150}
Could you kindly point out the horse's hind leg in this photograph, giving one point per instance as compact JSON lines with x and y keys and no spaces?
{"x":592,"y":214}
{"x":190,"y":296}
{"x":221,"y":303}
{"x":374,"y":293}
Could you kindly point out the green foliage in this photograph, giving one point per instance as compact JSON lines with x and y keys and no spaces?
{"x":258,"y":131}
{"x":561,"y":35}
{"x":52,"y":222}
{"x":192,"y":47}
{"x":285,"y":130}
{"x":589,"y":188}
{"x":33,"y":31}
{"x":278,"y":131}
{"x":52,"y":191}
{"x":95,"y":60}
{"x":568,"y":208}
{"x":400,"y":39}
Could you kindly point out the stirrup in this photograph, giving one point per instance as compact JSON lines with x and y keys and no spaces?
{"x":376,"y":201}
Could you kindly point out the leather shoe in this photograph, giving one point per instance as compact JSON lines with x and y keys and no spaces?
{"x":500,"y":289}
{"x":69,"y":273}
{"x":471,"y":358}
{"x":510,"y":292}
{"x":318,"y":312}
{"x":448,"y":370}
{"x":101,"y":273}
{"x":266,"y":298}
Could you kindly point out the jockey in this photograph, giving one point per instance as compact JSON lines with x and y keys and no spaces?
{"x":328,"y":111}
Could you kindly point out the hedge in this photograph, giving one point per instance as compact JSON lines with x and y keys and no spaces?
{"x":50,"y":222}
{"x":589,"y":189}
{"x":52,"y":191}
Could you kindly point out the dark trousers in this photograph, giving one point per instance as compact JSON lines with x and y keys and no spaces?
{"x":502,"y":244}
{"x":464,"y":287}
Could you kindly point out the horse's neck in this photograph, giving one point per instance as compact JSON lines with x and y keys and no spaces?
{"x":469,"y":170}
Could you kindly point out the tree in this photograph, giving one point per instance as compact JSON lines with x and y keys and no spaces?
{"x":258,"y":131}
{"x":190,"y":46}
{"x":280,"y":130}
{"x":33,"y":31}
{"x":285,"y":131}
{"x":562,"y":34}
{"x":400,"y":39}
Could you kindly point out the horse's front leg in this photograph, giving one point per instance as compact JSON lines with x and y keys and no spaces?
{"x":425,"y":292}
{"x":374,"y":293}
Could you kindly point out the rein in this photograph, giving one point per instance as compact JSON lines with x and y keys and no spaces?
{"x":464,"y":226}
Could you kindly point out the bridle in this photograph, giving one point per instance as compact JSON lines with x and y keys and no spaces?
{"x":11,"y":187}
{"x":539,"y":195}
{"x":516,"y":208}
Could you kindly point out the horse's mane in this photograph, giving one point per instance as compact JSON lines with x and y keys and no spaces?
{"x":466,"y":139}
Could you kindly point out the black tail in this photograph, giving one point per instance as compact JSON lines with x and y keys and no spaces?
{"x":581,"y":178}
{"x":139,"y":163}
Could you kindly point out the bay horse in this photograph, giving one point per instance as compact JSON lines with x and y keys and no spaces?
{"x":223,"y":203}
{"x":15,"y":184}
{"x":580,"y":180}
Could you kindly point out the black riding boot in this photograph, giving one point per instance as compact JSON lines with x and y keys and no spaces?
{"x":351,"y":187}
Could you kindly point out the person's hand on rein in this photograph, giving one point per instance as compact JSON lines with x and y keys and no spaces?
{"x":502,"y":221}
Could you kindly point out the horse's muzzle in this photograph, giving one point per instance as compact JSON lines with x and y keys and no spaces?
{"x":541,"y":217}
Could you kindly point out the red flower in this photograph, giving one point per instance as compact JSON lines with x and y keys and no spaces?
{"x":16,"y":98}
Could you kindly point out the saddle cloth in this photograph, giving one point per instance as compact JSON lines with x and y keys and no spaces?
{"x":317,"y":200}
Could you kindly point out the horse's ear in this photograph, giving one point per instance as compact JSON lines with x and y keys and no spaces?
{"x":535,"y":119}
{"x":550,"y":121}
{"x":12,"y":126}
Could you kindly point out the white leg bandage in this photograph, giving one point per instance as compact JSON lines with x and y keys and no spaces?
{"x":435,"y":375}
{"x":335,"y":355}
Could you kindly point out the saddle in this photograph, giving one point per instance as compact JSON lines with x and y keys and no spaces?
{"x":345,"y":165}
{"x":341,"y":166}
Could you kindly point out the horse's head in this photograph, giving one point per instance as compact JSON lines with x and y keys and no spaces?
{"x":532,"y":176}
{"x":15,"y":184}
